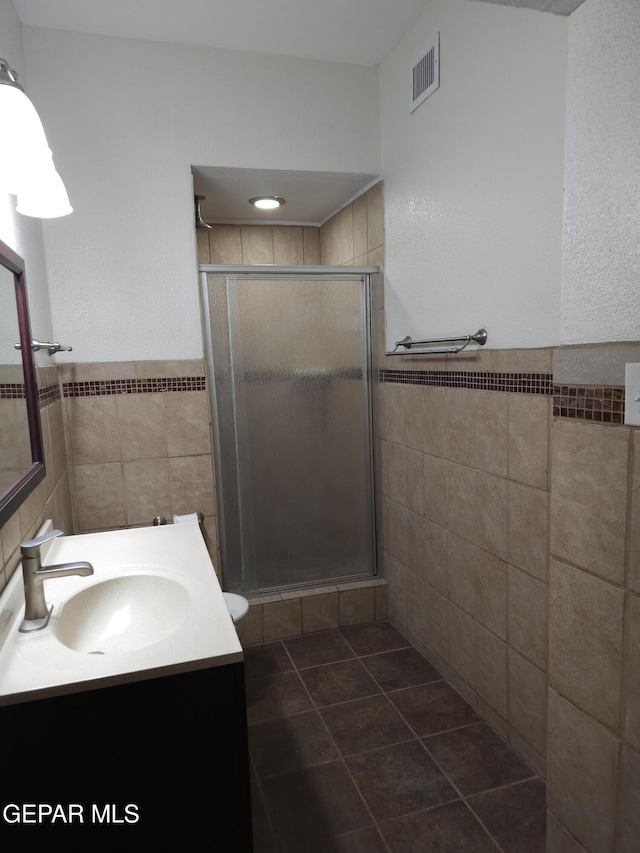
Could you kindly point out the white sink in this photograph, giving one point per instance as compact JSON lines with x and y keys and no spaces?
{"x":122,"y":614}
{"x":153,"y":606}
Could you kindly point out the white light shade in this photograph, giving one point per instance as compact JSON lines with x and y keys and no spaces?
{"x":267,"y":203}
{"x":23,"y":142}
{"x":26,"y":165}
{"x":45,"y":198}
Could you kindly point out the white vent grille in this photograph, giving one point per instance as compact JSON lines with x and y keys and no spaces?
{"x":425,"y":75}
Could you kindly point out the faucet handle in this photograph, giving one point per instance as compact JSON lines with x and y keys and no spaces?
{"x":31,"y":548}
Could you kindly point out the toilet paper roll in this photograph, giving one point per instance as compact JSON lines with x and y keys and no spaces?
{"x":186,"y":519}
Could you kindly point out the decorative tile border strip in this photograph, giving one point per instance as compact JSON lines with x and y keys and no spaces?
{"x":49,"y":394}
{"x":518,"y":383}
{"x":11,"y":391}
{"x":16,"y":391}
{"x":589,"y":403}
{"x":602,"y":404}
{"x":107,"y":387}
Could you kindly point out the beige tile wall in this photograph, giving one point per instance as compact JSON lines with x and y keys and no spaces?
{"x":512,"y":552}
{"x":594,"y":638}
{"x":136,"y":456}
{"x":290,"y":614}
{"x":259,"y":244}
{"x":51,"y":498}
{"x":465,"y":482}
{"x":15,"y":447}
{"x":355,"y":236}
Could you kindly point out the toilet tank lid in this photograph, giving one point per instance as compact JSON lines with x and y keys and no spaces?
{"x":237,"y":605}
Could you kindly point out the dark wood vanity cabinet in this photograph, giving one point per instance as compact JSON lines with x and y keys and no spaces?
{"x":160,"y":761}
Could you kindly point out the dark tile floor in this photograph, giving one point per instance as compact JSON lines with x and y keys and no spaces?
{"x":358,"y":745}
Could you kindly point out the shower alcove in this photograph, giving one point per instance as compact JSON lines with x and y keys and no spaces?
{"x":290,"y":356}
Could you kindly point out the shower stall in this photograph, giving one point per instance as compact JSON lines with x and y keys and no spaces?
{"x":289,"y":360}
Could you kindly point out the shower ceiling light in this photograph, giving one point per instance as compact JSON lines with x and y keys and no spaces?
{"x":267,"y":202}
{"x":26,"y":165}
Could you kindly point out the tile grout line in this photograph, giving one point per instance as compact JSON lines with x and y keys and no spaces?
{"x":534,"y":775}
{"x":455,"y":787}
{"x":263,"y":799}
{"x":340,"y":755}
{"x":343,"y":758}
{"x":416,"y":737}
{"x":505,"y":786}
{"x":354,"y":656}
{"x":436,"y":763}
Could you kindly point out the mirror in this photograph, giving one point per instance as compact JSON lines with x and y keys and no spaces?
{"x":21,"y":457}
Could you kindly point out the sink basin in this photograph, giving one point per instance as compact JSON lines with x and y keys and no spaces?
{"x":122,"y":614}
{"x":152,"y":607}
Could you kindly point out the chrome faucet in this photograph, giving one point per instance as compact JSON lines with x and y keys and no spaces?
{"x":36,"y":612}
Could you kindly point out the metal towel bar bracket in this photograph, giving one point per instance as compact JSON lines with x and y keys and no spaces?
{"x":51,"y":348}
{"x":480,"y":337}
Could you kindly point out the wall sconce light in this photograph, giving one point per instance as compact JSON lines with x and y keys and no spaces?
{"x":26,"y":164}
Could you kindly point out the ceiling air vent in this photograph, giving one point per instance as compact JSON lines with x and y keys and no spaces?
{"x":425,"y":74}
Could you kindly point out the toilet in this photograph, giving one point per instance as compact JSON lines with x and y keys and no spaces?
{"x":238,"y":607}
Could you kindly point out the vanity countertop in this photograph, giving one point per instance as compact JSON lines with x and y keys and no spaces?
{"x":197,"y":634}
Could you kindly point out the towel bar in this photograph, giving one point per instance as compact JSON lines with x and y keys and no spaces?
{"x":51,"y":348}
{"x":480,"y":338}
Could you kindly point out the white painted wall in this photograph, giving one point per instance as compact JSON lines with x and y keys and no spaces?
{"x":126,"y":120}
{"x":473,"y":178}
{"x":22,"y":233}
{"x":601,"y":265}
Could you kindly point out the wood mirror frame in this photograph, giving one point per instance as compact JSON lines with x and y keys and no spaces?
{"x":16,"y":493}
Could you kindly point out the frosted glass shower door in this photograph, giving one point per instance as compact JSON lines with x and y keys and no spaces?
{"x":293,"y":410}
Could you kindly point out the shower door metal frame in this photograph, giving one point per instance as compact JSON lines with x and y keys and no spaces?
{"x":231,"y":552}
